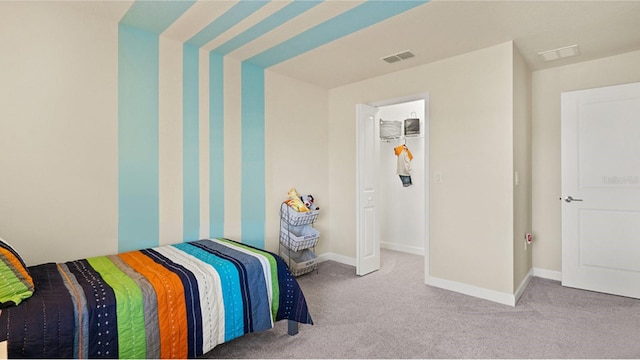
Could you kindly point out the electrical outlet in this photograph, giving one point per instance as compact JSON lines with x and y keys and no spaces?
{"x":527,"y":240}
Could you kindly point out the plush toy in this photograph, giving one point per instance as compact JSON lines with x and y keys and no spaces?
{"x":293,"y":200}
{"x":308,"y":202}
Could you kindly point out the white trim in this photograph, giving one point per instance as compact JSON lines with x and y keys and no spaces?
{"x":547,"y":274}
{"x":523,"y":286}
{"x":482,"y":293}
{"x":402,"y":248}
{"x":337,"y":258}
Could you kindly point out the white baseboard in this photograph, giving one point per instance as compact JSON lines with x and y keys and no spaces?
{"x":482,"y":293}
{"x":337,"y":258}
{"x":402,"y":248}
{"x":547,"y":274}
{"x":352,"y":261}
{"x":523,"y":286}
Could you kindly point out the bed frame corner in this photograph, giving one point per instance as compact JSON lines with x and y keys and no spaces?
{"x":292,"y":327}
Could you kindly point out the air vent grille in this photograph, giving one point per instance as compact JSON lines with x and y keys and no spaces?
{"x":560,"y":53}
{"x":404,"y":55}
{"x":392,"y":59}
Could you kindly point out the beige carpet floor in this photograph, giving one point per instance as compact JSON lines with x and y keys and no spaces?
{"x":392,"y":314}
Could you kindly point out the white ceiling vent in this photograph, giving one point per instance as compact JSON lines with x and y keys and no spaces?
{"x":560,"y":53}
{"x":391,"y":59}
{"x":399,"y":57}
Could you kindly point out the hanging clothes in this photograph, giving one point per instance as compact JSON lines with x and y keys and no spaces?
{"x":404,"y":164}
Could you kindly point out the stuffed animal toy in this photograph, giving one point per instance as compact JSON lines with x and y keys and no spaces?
{"x":293,"y":200}
{"x":308,"y":202}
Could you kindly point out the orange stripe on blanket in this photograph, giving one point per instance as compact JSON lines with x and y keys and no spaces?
{"x":16,"y":265}
{"x":172,"y":310}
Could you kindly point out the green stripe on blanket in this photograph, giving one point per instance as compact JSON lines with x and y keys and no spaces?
{"x":129,"y":308}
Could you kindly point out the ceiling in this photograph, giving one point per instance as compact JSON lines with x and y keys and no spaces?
{"x":433,"y":31}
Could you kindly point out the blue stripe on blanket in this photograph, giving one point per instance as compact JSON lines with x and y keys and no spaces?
{"x":192,"y":300}
{"x":80,"y":315}
{"x":292,"y":304}
{"x":242,"y":280}
{"x":230,"y":282}
{"x":101,"y":304}
{"x":255,"y":284}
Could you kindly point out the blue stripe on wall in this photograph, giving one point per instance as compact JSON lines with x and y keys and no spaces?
{"x":190,"y":144}
{"x":138,"y":110}
{"x":230,"y":18}
{"x":216,"y":145}
{"x":253,"y":166}
{"x":360,"y":17}
{"x":155,"y":16}
{"x":278,"y":18}
{"x":138,"y":153}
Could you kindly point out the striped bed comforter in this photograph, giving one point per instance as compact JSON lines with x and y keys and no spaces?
{"x":174,"y":301}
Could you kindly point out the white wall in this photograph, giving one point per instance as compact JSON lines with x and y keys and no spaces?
{"x":401,"y":210}
{"x":170,"y":141}
{"x":296,"y":151}
{"x":547,"y":86}
{"x":522,"y":255}
{"x":233,"y":149}
{"x":470,"y":144}
{"x":58,"y":145}
{"x":58,"y":133}
{"x":59,"y":136}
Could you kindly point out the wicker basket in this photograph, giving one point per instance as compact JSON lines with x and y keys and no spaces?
{"x":390,"y":129}
{"x":300,"y":262}
{"x":293,"y":217}
{"x":298,"y":237}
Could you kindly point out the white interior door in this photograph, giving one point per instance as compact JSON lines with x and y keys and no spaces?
{"x":601,"y":189}
{"x":367,"y":177}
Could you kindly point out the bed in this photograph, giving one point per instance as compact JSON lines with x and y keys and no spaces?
{"x":176,"y":301}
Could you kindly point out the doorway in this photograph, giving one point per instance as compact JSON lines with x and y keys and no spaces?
{"x":401,"y":212}
{"x":601,"y":189}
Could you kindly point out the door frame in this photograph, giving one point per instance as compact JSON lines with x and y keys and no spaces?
{"x":427,"y":173}
{"x":573,"y":268}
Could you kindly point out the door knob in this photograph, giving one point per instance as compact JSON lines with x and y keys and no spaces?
{"x":570,"y":199}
